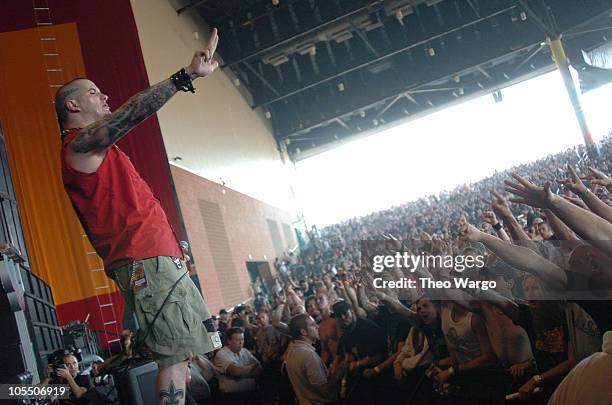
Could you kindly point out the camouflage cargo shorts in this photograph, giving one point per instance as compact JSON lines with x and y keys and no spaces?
{"x":178,"y":332}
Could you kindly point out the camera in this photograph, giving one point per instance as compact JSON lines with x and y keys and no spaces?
{"x":56,"y":359}
{"x":57,"y":367}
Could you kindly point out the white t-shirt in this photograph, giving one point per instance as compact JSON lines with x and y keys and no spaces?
{"x":223,"y":359}
{"x":588,"y":382}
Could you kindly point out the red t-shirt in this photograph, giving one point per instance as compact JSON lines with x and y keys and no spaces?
{"x":122,"y":217}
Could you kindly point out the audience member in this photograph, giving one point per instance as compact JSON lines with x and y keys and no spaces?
{"x":547,"y":251}
{"x":238,"y":369}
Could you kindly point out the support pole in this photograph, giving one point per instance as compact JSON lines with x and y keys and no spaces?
{"x":556,"y":46}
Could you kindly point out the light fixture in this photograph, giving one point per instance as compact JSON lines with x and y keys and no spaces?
{"x":340,"y":86}
{"x":341,"y":36}
{"x":308,"y":48}
{"x":497,"y":96}
{"x":277,"y":60}
{"x":399,"y":15}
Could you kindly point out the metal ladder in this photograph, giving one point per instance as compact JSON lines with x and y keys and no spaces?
{"x":55,"y":79}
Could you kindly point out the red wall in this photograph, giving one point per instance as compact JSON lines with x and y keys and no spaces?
{"x":113,"y":60}
{"x":244,"y":220}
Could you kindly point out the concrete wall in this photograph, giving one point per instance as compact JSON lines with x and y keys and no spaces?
{"x":215,"y":132}
{"x":226,"y":229}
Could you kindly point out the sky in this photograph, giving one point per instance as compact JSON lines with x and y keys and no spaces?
{"x":440,"y":151}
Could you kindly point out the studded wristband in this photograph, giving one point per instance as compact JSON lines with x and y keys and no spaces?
{"x":182,"y":81}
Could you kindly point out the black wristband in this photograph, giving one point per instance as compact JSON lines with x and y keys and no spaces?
{"x":497,"y":226}
{"x":182,"y":81}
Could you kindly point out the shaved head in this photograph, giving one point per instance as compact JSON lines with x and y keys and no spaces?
{"x":63,"y":94}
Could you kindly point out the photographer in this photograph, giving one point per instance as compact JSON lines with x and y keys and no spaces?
{"x":126,"y":353}
{"x":65,"y":370}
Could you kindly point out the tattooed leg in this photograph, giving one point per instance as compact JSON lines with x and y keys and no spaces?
{"x":171,"y":384}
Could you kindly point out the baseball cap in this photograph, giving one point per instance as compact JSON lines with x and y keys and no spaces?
{"x":340,"y":307}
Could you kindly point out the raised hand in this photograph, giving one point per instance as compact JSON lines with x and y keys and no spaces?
{"x":424,"y":236}
{"x":281,"y":299}
{"x":528,"y":193}
{"x":573,"y":182}
{"x":203,"y":63}
{"x":489,"y":217}
{"x":499,"y":205}
{"x":469,"y":232}
{"x":392,"y":243}
{"x":599,"y":177}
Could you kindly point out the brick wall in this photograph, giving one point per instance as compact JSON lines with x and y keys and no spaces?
{"x":226,"y":229}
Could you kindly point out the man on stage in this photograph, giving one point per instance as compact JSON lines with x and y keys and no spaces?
{"x":126,"y":223}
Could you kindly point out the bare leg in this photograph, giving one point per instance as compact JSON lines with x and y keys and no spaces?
{"x":171,"y":384}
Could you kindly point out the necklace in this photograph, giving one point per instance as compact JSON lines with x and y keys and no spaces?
{"x":65,"y":131}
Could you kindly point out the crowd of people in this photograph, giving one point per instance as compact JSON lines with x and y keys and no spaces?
{"x":318,"y":332}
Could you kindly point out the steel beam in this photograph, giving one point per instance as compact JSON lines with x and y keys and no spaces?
{"x":381,"y":58}
{"x":301,"y":34}
{"x":535,"y":19}
{"x":260,"y":77}
{"x":409,"y":90}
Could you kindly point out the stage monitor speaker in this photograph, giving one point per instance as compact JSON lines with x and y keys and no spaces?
{"x":46,"y":335}
{"x":16,"y":349}
{"x":136,"y":386}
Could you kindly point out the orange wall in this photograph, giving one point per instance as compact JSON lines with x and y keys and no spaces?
{"x":59,"y":251}
{"x":244,"y":220}
{"x":56,"y":242}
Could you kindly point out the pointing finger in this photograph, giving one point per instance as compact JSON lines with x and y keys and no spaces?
{"x":214,"y":40}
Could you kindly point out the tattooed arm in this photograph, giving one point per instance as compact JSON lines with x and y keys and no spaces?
{"x":105,"y":132}
{"x":87,"y":151}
